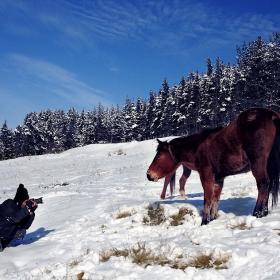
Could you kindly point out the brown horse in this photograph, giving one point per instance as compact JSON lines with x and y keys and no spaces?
{"x":170,"y":179}
{"x":251,"y":142}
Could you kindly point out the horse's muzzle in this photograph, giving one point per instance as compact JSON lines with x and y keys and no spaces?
{"x":151,"y":178}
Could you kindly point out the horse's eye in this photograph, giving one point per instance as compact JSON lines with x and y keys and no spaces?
{"x":158,"y":156}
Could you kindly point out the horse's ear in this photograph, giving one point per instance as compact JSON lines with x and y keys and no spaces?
{"x":160,"y":142}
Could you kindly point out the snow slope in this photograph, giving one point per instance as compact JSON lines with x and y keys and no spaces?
{"x":84,"y":190}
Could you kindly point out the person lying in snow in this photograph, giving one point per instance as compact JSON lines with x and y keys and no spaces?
{"x":16,"y":216}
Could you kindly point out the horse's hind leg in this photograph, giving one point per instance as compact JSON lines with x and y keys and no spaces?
{"x":182,"y":181}
{"x":261,"y":208}
{"x":262,"y":179}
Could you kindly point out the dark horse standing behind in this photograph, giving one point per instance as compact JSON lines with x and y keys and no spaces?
{"x":251,"y":142}
{"x":170,"y":179}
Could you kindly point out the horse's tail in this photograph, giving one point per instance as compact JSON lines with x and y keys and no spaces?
{"x":273,"y":165}
{"x":172,"y":183}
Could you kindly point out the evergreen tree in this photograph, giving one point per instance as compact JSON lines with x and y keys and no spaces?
{"x":59,"y":124}
{"x":130,"y":120}
{"x":273,"y":70}
{"x":181,"y":102}
{"x":219,"y":102}
{"x":70,"y":129}
{"x":80,"y":130}
{"x":29,"y":134}
{"x":151,"y":131}
{"x":169,"y":126}
{"x":117,"y":125}
{"x":208,"y":98}
{"x":18,"y":142}
{"x":226,"y":114}
{"x":193,"y":90}
{"x":7,"y":141}
{"x":161,"y":114}
{"x":102,"y":135}
{"x":252,"y":64}
{"x":140,"y":128}
{"x":90,"y":127}
{"x":2,"y":150}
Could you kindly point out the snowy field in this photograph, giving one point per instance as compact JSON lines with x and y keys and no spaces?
{"x":96,"y":221}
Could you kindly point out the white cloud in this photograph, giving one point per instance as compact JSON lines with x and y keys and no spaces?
{"x":168,"y":26}
{"x":172,"y":27}
{"x":60,"y":81}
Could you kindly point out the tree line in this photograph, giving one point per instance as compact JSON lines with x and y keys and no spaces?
{"x":198,"y":102}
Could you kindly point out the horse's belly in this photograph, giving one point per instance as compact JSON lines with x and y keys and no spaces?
{"x":191,"y":166}
{"x":235,"y":165}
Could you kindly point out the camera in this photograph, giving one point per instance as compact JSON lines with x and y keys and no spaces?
{"x":37,"y":200}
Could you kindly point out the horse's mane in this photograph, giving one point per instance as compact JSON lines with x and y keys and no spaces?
{"x":200,"y":137}
{"x":207,"y":132}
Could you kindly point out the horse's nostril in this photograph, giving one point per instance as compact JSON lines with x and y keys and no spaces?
{"x":149,"y":177}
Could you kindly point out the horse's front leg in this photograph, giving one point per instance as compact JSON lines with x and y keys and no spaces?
{"x":166,"y":182}
{"x":208,"y":187}
{"x":172,"y":183}
{"x":218,"y":186}
{"x":183,"y":180}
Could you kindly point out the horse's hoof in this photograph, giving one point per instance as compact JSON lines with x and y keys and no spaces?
{"x":183,"y":194}
{"x":205,"y":222}
{"x":261,"y":213}
{"x":214,"y":217}
{"x":257,"y":214}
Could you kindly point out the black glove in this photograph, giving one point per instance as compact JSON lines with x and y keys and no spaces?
{"x":30,"y":207}
{"x":29,"y":204}
{"x":33,"y":208}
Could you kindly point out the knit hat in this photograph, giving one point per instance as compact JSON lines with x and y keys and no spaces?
{"x":21,"y":195}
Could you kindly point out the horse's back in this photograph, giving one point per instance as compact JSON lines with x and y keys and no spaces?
{"x":256,"y":129}
{"x":231,"y":150}
{"x":256,"y":118}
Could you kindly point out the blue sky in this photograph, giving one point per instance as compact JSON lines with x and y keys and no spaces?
{"x":57,"y":54}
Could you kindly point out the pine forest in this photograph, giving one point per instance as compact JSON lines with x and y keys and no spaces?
{"x":198,"y":102}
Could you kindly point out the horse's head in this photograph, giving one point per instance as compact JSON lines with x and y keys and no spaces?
{"x":163,"y":163}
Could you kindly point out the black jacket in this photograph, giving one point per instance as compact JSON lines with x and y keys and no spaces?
{"x":10,"y":216}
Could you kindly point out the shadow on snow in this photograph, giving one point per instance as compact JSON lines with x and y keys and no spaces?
{"x":238,"y":205}
{"x":36,"y":235}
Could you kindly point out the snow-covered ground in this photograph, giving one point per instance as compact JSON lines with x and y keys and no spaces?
{"x":86,"y":189}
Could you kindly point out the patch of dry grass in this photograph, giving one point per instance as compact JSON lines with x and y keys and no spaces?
{"x":114,"y":252}
{"x":144,"y":256}
{"x":138,"y":254}
{"x":80,"y":275}
{"x":121,"y":215}
{"x":239,"y":225}
{"x":74,"y":263}
{"x":180,"y":217}
{"x":155,"y":217}
{"x":207,"y":261}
